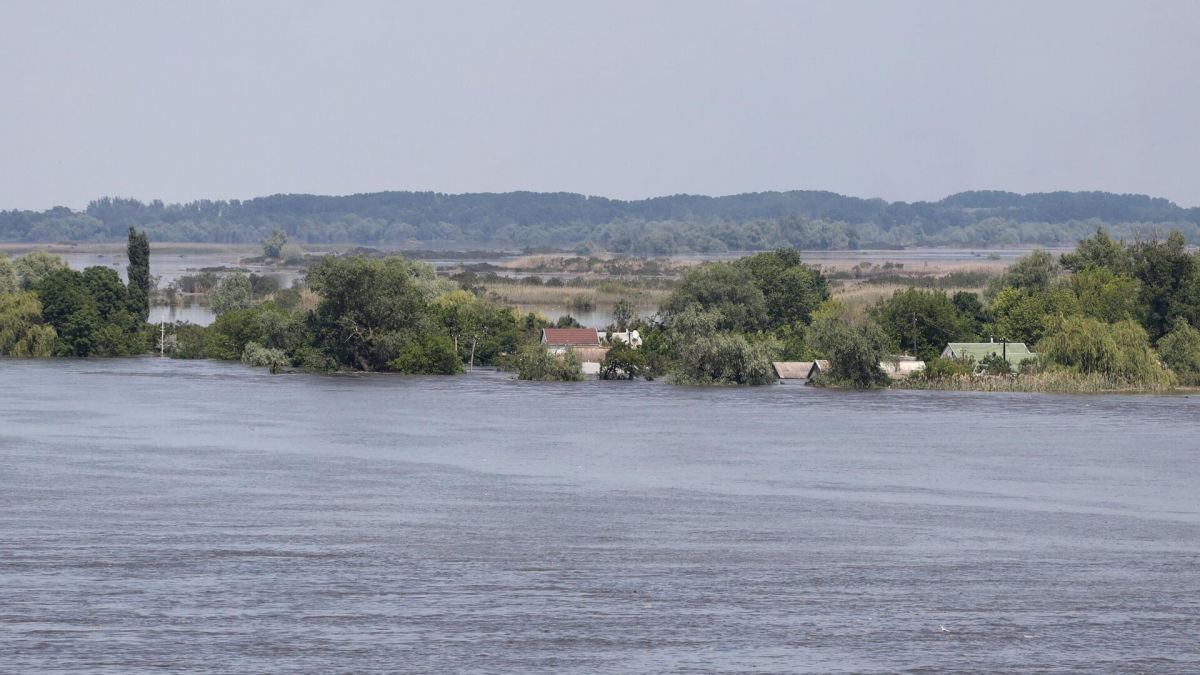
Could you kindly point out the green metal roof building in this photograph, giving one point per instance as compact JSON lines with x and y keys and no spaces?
{"x":1013,"y":352}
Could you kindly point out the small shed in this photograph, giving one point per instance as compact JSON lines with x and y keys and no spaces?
{"x":792,"y":370}
{"x":819,"y":366}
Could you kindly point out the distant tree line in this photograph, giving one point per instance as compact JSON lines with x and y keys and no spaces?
{"x":658,"y":226}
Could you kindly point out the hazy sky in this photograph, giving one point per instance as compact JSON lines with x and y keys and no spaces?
{"x":901,"y":100}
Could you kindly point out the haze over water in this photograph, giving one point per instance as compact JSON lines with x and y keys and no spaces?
{"x":208,"y":517}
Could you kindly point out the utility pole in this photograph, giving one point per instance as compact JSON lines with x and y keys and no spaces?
{"x":914,"y":318}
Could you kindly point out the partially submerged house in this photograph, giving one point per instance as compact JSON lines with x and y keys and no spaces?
{"x":897,"y":368}
{"x":819,"y":366}
{"x":1013,"y":352}
{"x":585,"y":342}
{"x":792,"y":370}
{"x":559,"y":339}
{"x":902,"y":367}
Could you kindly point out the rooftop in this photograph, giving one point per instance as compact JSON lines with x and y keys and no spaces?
{"x":570,"y":336}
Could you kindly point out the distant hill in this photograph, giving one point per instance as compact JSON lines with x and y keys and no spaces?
{"x":657,"y":226}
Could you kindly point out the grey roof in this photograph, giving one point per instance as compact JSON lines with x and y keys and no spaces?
{"x":792,"y":370}
{"x":819,"y":366}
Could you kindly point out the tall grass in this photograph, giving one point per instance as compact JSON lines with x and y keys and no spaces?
{"x":1046,"y":383}
{"x":604,"y":295}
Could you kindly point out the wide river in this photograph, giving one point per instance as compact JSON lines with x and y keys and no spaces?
{"x":207,"y":517}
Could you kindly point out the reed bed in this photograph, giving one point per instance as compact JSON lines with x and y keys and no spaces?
{"x":605,"y":295}
{"x":1042,"y":383}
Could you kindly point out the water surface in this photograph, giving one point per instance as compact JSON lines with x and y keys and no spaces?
{"x":208,"y":517}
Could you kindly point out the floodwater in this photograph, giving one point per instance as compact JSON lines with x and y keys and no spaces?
{"x":208,"y":517}
{"x":198,"y":314}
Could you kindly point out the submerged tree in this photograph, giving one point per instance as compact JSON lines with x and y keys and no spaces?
{"x":705,"y":355}
{"x":623,"y":362}
{"x":854,"y":346}
{"x":234,"y":292}
{"x":368,"y":309}
{"x":534,"y":362}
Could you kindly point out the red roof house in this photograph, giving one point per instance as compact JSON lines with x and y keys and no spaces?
{"x":570,"y":337}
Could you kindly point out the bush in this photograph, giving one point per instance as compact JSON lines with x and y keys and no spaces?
{"x":623,"y":362}
{"x":534,"y":362}
{"x":233,"y":293}
{"x":939,"y":368}
{"x":994,"y":364}
{"x":428,"y":354}
{"x":580,"y":303}
{"x":263,"y":357}
{"x":291,"y":254}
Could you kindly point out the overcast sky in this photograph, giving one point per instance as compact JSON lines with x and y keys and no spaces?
{"x":901,"y":100}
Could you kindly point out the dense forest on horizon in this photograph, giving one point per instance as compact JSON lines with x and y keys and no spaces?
{"x":657,"y":226}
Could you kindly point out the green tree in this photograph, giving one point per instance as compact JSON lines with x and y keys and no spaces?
{"x":1106,"y":295}
{"x":721,"y":288}
{"x":103,"y":286}
{"x":8,"y":276}
{"x":88,"y":312}
{"x":623,"y":362}
{"x":138,"y":270}
{"x":534,"y":362}
{"x":35,"y":266}
{"x":1180,"y":351}
{"x":623,"y":314}
{"x":427,"y":354}
{"x":1170,"y":283}
{"x":1099,"y":251}
{"x":929,"y":316}
{"x":705,"y":356}
{"x":257,"y":355}
{"x":366,"y":307}
{"x":1120,"y":350}
{"x":854,"y":348}
{"x":23,"y":331}
{"x":969,"y":307}
{"x":425,"y":277}
{"x":1033,"y":274}
{"x":227,"y":337}
{"x":1024,"y":316}
{"x":273,"y":244}
{"x":791,"y":290}
{"x":234,"y":292}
